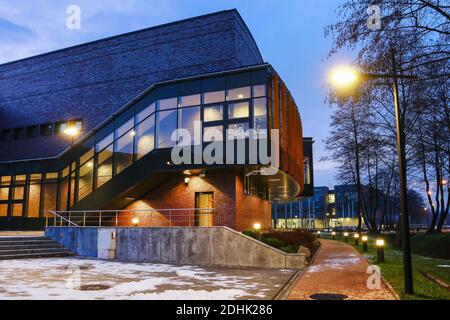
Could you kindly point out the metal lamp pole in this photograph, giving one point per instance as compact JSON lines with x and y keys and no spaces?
{"x":404,"y":216}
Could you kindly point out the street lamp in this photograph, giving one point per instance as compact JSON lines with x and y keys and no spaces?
{"x":346,"y":78}
{"x":71,"y":132}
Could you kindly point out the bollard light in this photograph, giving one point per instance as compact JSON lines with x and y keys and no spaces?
{"x":380,"y":250}
{"x":333,"y":234}
{"x":257,"y":226}
{"x":346,"y":236}
{"x":356,"y":236}
{"x":364,"y":240}
{"x":318,"y":234}
{"x":135,"y":222}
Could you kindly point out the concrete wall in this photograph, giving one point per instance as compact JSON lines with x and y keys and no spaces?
{"x":219,"y":246}
{"x":82,"y":241}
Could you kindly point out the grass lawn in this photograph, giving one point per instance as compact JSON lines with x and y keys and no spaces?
{"x":392,"y":270}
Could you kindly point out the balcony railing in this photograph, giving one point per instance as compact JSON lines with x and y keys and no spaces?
{"x":189,"y":217}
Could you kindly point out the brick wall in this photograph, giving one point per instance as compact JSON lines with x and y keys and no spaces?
{"x":94,"y":80}
{"x":232,"y":208}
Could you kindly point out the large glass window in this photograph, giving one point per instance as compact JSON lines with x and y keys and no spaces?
{"x":4,"y":193}
{"x":124,"y":128}
{"x":105,"y":142}
{"x":34,"y":201}
{"x":259,"y":91}
{"x":166,"y":124}
{"x":64,"y":194}
{"x":165,"y":104}
{"x":188,"y":118}
{"x":214,"y":97}
{"x":238,"y":110}
{"x":213,"y":113}
{"x":3,"y":209}
{"x":145,"y":137}
{"x":50,"y":190}
{"x":214,"y":133}
{"x":17,"y":210}
{"x":238,"y":131}
{"x":145,"y":113}
{"x":18,"y":193}
{"x":34,"y":196}
{"x":239,"y":93}
{"x":260,"y":117}
{"x":86,"y":179}
{"x":105,"y":165}
{"x":190,"y":101}
{"x":123,"y":151}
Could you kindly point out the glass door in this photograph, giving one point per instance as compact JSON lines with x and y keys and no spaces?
{"x":203,"y":216}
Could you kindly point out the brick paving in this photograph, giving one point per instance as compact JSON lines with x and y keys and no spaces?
{"x":338,"y":269}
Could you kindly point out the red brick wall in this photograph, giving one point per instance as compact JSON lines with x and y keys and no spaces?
{"x":250,"y":209}
{"x":232,"y":208}
{"x":176,"y":195}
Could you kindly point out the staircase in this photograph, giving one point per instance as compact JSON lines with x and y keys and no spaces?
{"x":31,"y":247}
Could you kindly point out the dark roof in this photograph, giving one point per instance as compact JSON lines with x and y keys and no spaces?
{"x":93,"y":80}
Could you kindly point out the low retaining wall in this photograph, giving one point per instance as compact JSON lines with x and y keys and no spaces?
{"x":217,"y":246}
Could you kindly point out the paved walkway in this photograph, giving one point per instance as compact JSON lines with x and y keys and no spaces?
{"x":338,"y":269}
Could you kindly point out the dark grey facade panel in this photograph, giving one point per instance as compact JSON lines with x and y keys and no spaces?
{"x":92,"y":81}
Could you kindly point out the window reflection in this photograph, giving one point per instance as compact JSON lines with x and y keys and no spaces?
{"x":190,"y":101}
{"x":165,"y":104}
{"x":213,"y":113}
{"x":123,"y":151}
{"x":105,"y":165}
{"x":238,"y":110}
{"x":260,"y":117}
{"x":214,"y":97}
{"x":166,"y":124}
{"x":188,"y":118}
{"x":214,"y":133}
{"x":239,"y":93}
{"x":145,"y":137}
{"x":124,"y":128}
{"x":238,"y":131}
{"x":86,"y":179}
{"x":104,"y":143}
{"x":259,"y":91}
{"x":145,"y":113}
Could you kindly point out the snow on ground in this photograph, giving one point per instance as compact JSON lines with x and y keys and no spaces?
{"x":73,"y":278}
{"x":335,"y":262}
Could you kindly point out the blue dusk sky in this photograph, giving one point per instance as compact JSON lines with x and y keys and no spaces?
{"x":289,"y":33}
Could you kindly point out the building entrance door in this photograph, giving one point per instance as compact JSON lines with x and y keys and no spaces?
{"x":204,"y":201}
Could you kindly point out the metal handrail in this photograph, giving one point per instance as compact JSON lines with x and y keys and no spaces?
{"x":82,"y":218}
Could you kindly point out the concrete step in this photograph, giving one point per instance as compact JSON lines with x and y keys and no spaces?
{"x":30,"y":246}
{"x":37,"y":255}
{"x":21,"y":238}
{"x":33,"y":251}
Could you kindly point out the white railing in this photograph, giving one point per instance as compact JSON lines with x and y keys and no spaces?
{"x":187,"y":217}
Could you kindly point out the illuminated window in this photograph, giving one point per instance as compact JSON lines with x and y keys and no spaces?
{"x":3,"y":209}
{"x":145,"y":137}
{"x":259,"y":91}
{"x":188,"y":118}
{"x":105,"y":165}
{"x":238,"y":131}
{"x":213,"y":113}
{"x":17,"y":209}
{"x":238,"y":110}
{"x":260,"y":116}
{"x":86,"y":179}
{"x":239,"y":94}
{"x":4,"y":193}
{"x":123,"y":151}
{"x":214,"y":133}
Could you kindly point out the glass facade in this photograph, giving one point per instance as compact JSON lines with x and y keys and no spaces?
{"x":134,"y":136}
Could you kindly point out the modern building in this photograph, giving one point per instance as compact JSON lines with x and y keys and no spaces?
{"x":91,"y":129}
{"x":330,"y":209}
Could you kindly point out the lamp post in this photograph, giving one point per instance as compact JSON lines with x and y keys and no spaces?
{"x":364,"y":241}
{"x":346,"y":77}
{"x":71,"y":132}
{"x":380,"y":250}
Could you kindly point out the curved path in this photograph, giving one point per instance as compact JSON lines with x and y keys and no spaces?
{"x":339,"y":269}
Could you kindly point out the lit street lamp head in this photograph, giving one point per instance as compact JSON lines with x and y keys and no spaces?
{"x":71,"y":131}
{"x":344,"y":77}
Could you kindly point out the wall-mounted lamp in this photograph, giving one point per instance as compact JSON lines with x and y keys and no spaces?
{"x":135,"y":222}
{"x":186,"y":180}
